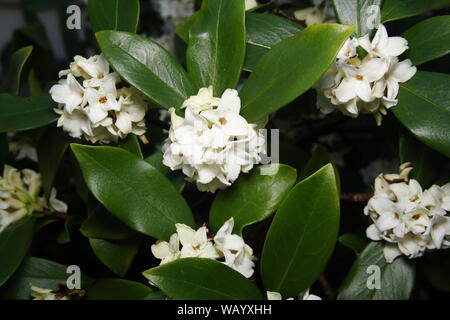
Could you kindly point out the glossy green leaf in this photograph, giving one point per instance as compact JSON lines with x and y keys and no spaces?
{"x":147,"y":66}
{"x":131,"y":144}
{"x":116,"y":255}
{"x":41,"y":273}
{"x":51,"y":148}
{"x":396,"y":279}
{"x":302,"y":235}
{"x":14,"y":243}
{"x":201,"y":279}
{"x":319,"y":158}
{"x":253,"y":197}
{"x":102,"y":225}
{"x":19,"y":114}
{"x":18,"y":60}
{"x":424,"y":109}
{"x":395,"y":9}
{"x":359,"y":13}
{"x":428,"y":164}
{"x":353,"y":241}
{"x":132,"y":190}
{"x":216,"y":48}
{"x":121,"y":289}
{"x":263,"y":32}
{"x":290,"y":68}
{"x":429,"y":39}
{"x":119,"y":15}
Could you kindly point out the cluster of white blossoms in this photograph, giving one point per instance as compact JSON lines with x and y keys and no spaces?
{"x":368,"y":85}
{"x":410,"y":219}
{"x":196,"y":244}
{"x":212,"y":144}
{"x":19,"y":196}
{"x":92,"y":106}
{"x":321,"y":12}
{"x":271,"y":295}
{"x":22,"y":147}
{"x":49,"y":294}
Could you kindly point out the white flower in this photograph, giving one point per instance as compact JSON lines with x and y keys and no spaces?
{"x":97,"y":110}
{"x":212,"y":144}
{"x":195,"y":244}
{"x":250,"y":4}
{"x":45,"y":294}
{"x":167,"y":251}
{"x":237,"y":254}
{"x":302,"y":296}
{"x":368,"y":85}
{"x":382,"y":45}
{"x":321,"y":12}
{"x":22,"y":147}
{"x":20,"y":196}
{"x":409,"y":219}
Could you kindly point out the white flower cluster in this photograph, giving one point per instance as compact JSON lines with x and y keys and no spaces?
{"x":49,"y":294}
{"x":410,"y":219}
{"x":321,"y":12}
{"x":369,"y":85}
{"x":22,"y":147}
{"x":19,"y":196}
{"x":196,"y":244}
{"x":212,"y":144}
{"x":97,"y":109}
{"x":271,"y":295}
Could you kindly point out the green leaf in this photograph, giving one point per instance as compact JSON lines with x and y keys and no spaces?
{"x":358,"y":13}
{"x":4,"y":150}
{"x":18,"y":60}
{"x":429,"y":39}
{"x":201,"y":279}
{"x":71,"y":225}
{"x":39,"y":272}
{"x":133,"y":191}
{"x":116,"y":255}
{"x":14,"y":243}
{"x":263,"y":32}
{"x":302,"y":235}
{"x":119,"y":15}
{"x":424,"y":109}
{"x":216,"y":48}
{"x":147,"y":66}
{"x":428,"y":164}
{"x":319,"y":159}
{"x":253,"y":197}
{"x":397,"y":278}
{"x":353,"y":241}
{"x":51,"y":148}
{"x":131,"y":144}
{"x":20,"y":114}
{"x":395,"y":10}
{"x":102,"y":225}
{"x":121,"y":289}
{"x":290,"y":68}
{"x":435,"y":266}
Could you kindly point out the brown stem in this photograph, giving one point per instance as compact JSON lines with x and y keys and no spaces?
{"x":55,"y":214}
{"x":359,"y":197}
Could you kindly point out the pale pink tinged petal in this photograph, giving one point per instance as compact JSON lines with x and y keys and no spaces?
{"x":404,"y":71}
{"x":391,"y":252}
{"x":373,"y":233}
{"x":395,"y":46}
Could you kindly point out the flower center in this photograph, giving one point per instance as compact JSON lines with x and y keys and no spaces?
{"x":222,"y":121}
{"x":103,"y":100}
{"x":359,"y":77}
